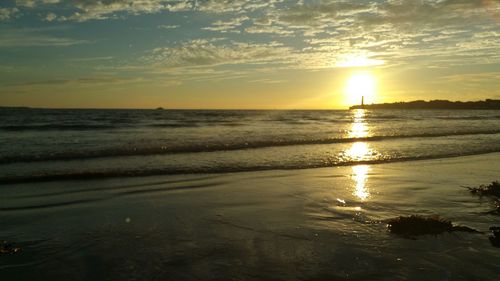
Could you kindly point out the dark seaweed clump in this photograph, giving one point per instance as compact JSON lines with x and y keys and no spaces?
{"x":8,"y":248}
{"x":423,"y":225}
{"x":497,"y":210}
{"x":495,"y":238}
{"x":492,"y":189}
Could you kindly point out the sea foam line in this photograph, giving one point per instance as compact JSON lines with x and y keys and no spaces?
{"x":221,"y":169}
{"x":215,"y":147}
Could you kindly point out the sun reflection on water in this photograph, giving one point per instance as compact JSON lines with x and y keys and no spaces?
{"x":359,"y":128}
{"x":360,"y":177}
{"x":358,"y":151}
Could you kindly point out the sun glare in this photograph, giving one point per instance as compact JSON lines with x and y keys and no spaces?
{"x":361,"y":85}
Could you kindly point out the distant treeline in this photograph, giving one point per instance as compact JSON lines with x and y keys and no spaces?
{"x":434,"y":104}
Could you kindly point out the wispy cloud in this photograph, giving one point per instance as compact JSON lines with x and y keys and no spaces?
{"x":268,"y":29}
{"x":8,"y":13}
{"x":34,"y":38}
{"x":164,"y":26}
{"x":82,"y":81}
{"x":85,"y":10}
{"x":207,"y":53}
{"x":229,"y":25}
{"x":90,"y":59}
{"x":476,"y":78}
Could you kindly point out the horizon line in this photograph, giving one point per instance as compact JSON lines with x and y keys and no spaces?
{"x":254,"y":109}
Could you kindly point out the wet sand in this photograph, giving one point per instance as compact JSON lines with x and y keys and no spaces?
{"x":315,"y":224}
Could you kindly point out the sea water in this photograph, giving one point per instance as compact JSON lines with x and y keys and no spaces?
{"x":228,"y":195}
{"x":43,"y":144}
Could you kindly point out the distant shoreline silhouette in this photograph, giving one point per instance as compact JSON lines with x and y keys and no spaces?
{"x":433,"y":104}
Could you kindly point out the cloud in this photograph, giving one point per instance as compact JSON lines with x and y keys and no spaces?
{"x":238,"y":6}
{"x":26,"y":3}
{"x":93,"y":9}
{"x":8,"y":13}
{"x":50,"y":17}
{"x":80,"y":81}
{"x":319,"y":12}
{"x":478,"y":83}
{"x":34,"y":38}
{"x":206,"y":53}
{"x":427,"y":13}
{"x":226,"y":26}
{"x":163,"y":26}
{"x":267,"y":81}
{"x":477,"y":78}
{"x":107,"y":58}
{"x":260,"y":29}
{"x":84,"y":10}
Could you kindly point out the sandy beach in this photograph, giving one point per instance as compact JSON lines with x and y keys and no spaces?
{"x":312,"y":224}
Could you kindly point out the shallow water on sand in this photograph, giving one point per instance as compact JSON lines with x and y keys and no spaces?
{"x":313,"y":224}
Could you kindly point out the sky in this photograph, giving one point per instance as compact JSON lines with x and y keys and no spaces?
{"x":269,"y":54}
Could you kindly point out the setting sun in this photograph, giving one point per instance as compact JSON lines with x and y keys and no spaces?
{"x":359,"y":85}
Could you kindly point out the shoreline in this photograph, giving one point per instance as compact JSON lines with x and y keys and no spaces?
{"x":152,"y":173}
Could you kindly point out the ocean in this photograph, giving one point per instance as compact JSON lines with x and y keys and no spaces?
{"x":52,"y":144}
{"x":244,"y":194}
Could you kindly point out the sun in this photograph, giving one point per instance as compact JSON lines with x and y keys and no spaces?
{"x":361,"y":85}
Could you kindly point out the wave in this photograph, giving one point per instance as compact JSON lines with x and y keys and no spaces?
{"x":221,"y":169}
{"x":469,"y":117}
{"x":114,"y":125}
{"x":50,"y":127}
{"x":84,"y":121}
{"x":217,"y":147}
{"x":173,"y":125}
